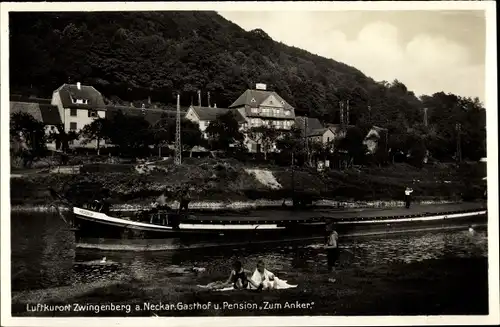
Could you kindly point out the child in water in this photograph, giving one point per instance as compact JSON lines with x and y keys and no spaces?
{"x":332,"y":250}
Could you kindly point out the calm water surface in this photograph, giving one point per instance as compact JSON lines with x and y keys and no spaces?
{"x":43,"y":255}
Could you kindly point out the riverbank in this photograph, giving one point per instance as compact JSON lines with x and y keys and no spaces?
{"x":428,"y":287}
{"x":231,"y":185}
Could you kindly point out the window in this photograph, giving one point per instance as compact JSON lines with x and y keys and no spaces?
{"x":92,"y":113}
{"x":80,"y":101}
{"x":73,"y":112}
{"x":253,"y":100}
{"x":287,"y":112}
{"x":255,"y":110}
{"x":72,"y":126}
{"x":282,"y":102}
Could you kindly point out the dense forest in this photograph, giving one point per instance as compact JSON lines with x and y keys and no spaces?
{"x":131,"y":56}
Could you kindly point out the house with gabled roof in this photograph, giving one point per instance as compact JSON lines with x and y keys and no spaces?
{"x":314,"y":130}
{"x":261,"y":107}
{"x":41,"y":110}
{"x":204,"y":115}
{"x":78,"y":105}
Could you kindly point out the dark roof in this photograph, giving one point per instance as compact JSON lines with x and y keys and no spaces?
{"x":24,"y":98}
{"x":69,"y":91}
{"x":312,"y":123}
{"x":152,"y":116}
{"x":317,"y":132}
{"x":337,"y":127}
{"x":50,"y":114}
{"x":259,"y":96}
{"x":210,"y":114}
{"x":46,"y":113}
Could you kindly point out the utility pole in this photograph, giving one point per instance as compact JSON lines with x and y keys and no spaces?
{"x":458,"y":127}
{"x":347,"y":113}
{"x":341,"y":105}
{"x":178,"y":144}
{"x":306,"y":143}
{"x":370,"y":114}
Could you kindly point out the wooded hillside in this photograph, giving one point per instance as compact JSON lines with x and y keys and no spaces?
{"x":131,"y":56}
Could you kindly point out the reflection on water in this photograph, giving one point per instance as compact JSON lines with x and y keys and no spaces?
{"x":43,"y":256}
{"x":42,"y":251}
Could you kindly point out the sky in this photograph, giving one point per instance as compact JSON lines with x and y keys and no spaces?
{"x":429,"y":51}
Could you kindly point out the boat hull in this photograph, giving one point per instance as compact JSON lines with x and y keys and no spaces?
{"x":106,"y":233}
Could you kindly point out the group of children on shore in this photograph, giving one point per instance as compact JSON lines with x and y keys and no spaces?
{"x":263,"y":279}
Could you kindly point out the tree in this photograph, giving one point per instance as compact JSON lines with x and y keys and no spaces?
{"x":62,"y":138}
{"x":163,"y":132}
{"x":291,"y":144}
{"x":29,"y":134}
{"x":224,"y":132}
{"x":320,"y":150}
{"x":97,"y":130}
{"x":132,"y":134}
{"x":353,"y":144}
{"x":266,"y":136}
{"x":416,"y":149}
{"x":190,"y":135}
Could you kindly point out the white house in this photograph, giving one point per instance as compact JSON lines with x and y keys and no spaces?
{"x":78,"y":106}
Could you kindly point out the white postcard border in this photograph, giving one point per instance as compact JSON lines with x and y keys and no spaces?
{"x":492,"y":169}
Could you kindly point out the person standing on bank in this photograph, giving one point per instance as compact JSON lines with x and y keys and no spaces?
{"x":332,"y":250}
{"x":184,"y":200}
{"x":408,"y":192}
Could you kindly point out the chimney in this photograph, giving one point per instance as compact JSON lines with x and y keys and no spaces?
{"x":260,"y":86}
{"x":199,"y":98}
{"x":208,"y":95}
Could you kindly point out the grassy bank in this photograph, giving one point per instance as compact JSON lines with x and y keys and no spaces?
{"x":226,"y":183}
{"x":430,"y":287}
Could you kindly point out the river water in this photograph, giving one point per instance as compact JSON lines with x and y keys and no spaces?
{"x":43,"y":255}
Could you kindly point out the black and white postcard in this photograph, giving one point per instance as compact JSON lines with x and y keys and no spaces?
{"x":249,"y":163}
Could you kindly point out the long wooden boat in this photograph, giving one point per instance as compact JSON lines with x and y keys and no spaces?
{"x":168,"y":230}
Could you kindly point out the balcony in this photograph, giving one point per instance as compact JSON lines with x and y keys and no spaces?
{"x":271,"y":113}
